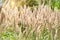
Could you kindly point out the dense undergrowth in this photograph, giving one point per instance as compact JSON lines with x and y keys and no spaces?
{"x":40,"y":23}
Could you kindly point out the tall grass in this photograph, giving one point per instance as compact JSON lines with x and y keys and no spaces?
{"x":40,"y":24}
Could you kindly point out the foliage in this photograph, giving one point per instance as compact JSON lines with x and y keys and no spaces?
{"x":55,"y":3}
{"x":7,"y":36}
{"x":31,"y":3}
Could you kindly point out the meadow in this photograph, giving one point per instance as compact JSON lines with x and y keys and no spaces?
{"x":26,"y":23}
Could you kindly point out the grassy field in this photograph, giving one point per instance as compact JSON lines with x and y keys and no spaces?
{"x":26,"y":23}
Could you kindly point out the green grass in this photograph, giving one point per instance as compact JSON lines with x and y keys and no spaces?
{"x":11,"y":35}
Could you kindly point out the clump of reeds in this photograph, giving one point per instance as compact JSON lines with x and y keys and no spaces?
{"x":41,"y":17}
{"x":32,"y":21}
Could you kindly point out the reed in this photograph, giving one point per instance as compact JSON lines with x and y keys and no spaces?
{"x":27,"y":22}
